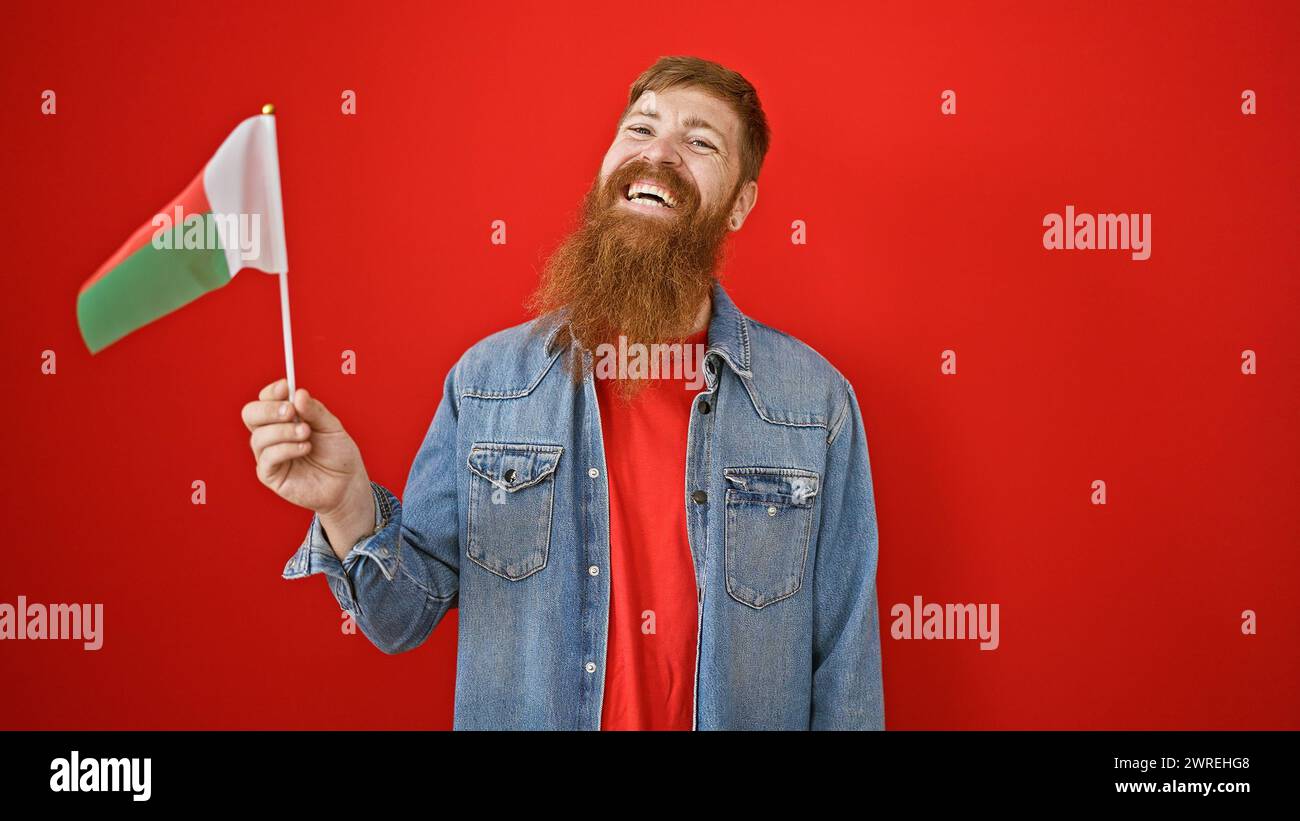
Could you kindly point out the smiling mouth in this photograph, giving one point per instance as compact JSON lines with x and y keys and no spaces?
{"x":649,"y":194}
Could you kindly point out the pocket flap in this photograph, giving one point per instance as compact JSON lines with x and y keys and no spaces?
{"x":789,"y":486}
{"x":513,"y":467}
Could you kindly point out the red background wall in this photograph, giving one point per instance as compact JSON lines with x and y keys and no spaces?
{"x":924,"y":234}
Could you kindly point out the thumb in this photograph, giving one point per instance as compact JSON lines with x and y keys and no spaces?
{"x":313,"y":412}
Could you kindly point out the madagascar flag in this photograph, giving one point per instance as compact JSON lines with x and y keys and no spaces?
{"x":230,"y":217}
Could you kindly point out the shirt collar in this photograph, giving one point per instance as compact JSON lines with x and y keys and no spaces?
{"x":728,"y":333}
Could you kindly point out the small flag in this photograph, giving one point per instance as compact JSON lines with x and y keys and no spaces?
{"x":229,"y":218}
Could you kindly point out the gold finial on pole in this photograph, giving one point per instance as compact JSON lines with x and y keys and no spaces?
{"x":268,"y":109}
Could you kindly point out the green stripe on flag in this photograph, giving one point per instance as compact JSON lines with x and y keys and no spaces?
{"x":146,"y":285}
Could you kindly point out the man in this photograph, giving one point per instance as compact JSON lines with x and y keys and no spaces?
{"x":596,"y":590}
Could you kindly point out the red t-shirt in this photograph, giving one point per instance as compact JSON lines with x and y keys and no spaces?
{"x":650,"y":662}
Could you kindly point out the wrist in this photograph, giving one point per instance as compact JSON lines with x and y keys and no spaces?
{"x":354,"y":517}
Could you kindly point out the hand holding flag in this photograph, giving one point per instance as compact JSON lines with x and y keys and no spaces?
{"x":231,"y":217}
{"x":304,"y":454}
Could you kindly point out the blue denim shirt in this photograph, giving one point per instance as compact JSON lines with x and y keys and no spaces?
{"x":505,"y":515}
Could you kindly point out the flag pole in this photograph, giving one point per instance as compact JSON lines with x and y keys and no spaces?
{"x":288,"y":336}
{"x":284,"y":307}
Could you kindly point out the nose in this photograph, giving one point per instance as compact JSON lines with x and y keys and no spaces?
{"x":660,"y":151}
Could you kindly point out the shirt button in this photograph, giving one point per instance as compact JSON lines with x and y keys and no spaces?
{"x":700,"y":497}
{"x":591,"y":667}
{"x":704,"y":406}
{"x":593,"y":473}
{"x":510,"y":475}
{"x":594,"y":570}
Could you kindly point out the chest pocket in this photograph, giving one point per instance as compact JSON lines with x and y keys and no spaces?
{"x":769,"y":522}
{"x":511,"y":497}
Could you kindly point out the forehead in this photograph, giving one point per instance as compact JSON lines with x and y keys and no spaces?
{"x":683,"y":104}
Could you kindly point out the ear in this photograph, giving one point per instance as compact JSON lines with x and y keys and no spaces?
{"x":745,"y":202}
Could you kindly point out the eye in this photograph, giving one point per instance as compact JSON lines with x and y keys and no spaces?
{"x":640,"y":129}
{"x":703,"y":143}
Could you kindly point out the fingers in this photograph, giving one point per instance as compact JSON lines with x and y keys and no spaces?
{"x":314,"y":413}
{"x":279,"y":389}
{"x":279,"y":435}
{"x":270,"y":460}
{"x":263,"y":412}
{"x":265,"y":436}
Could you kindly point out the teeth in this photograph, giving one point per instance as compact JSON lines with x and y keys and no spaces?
{"x":646,"y":188}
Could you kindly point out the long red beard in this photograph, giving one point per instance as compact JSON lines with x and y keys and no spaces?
{"x":630,"y":274}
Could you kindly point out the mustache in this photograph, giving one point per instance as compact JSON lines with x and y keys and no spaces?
{"x":683,"y":191}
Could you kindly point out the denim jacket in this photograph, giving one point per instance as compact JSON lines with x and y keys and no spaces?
{"x":505,"y":514}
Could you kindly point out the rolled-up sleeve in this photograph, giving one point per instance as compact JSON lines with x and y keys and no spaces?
{"x":400,"y":581}
{"x":316,"y":554}
{"x":847,"y":687}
